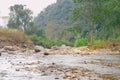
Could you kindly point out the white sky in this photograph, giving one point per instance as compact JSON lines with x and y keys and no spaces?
{"x":35,"y":5}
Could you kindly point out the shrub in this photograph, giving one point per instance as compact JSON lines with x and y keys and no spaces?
{"x":44,"y":41}
{"x":117,"y":37}
{"x":35,"y":38}
{"x":97,"y":44}
{"x":80,"y":42}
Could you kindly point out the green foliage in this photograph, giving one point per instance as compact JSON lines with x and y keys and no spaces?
{"x":98,"y":42}
{"x":34,"y":30}
{"x":20,"y":17}
{"x":102,"y":12}
{"x":80,"y":42}
{"x":44,"y":41}
{"x":117,"y":37}
{"x":35,"y":38}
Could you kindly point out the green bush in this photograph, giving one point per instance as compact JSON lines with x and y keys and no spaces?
{"x":35,"y":38}
{"x":45,"y":42}
{"x":117,"y":37}
{"x":80,"y":42}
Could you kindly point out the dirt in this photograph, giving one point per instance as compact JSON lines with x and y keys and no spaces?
{"x":59,"y":66}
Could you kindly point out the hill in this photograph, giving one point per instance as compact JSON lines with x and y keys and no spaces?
{"x":55,"y":18}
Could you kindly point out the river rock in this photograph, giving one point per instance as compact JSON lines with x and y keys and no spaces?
{"x":12,"y":52}
{"x":38,"y":48}
{"x":17,"y":70}
{"x":29,"y":52}
{"x":46,"y":53}
{"x":11,"y":48}
{"x":55,"y":48}
{"x":84,"y":48}
{"x":28,"y":44}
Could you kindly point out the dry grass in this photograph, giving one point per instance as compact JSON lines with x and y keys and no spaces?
{"x":109,"y":45}
{"x":14,"y":37}
{"x":108,"y":77}
{"x":13,"y":34}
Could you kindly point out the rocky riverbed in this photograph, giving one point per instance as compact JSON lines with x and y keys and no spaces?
{"x":31,"y":65}
{"x":39,"y":66}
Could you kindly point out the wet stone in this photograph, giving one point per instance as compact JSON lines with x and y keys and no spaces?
{"x":17,"y":70}
{"x":20,"y":62}
{"x":44,"y":74}
{"x":37,"y":50}
{"x":3,"y":74}
{"x":56,"y":78}
{"x":46,"y":53}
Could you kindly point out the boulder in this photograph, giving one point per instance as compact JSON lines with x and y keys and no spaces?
{"x":24,"y":45}
{"x":55,"y":48}
{"x":38,"y":48}
{"x":83,"y":48}
{"x":63,"y":46}
{"x":12,"y":52}
{"x":28,"y":44}
{"x":29,"y":52}
{"x":11,"y":48}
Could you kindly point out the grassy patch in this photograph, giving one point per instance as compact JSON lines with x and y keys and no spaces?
{"x":97,"y":44}
{"x":13,"y":34}
{"x":44,"y":41}
{"x":108,"y":77}
{"x":80,"y":42}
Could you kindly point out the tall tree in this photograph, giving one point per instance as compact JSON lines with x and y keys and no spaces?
{"x":103,"y":12}
{"x":20,"y":17}
{"x":86,"y":9}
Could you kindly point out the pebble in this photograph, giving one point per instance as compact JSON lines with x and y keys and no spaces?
{"x":17,"y":70}
{"x":46,"y":53}
{"x":56,"y":78}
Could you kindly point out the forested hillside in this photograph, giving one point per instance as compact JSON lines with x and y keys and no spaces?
{"x":55,"y":18}
{"x":70,"y":20}
{"x":59,"y":12}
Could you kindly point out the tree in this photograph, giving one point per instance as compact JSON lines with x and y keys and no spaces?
{"x":20,"y":17}
{"x":88,"y":10}
{"x":103,"y":12}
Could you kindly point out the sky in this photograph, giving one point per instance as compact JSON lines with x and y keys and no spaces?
{"x":35,"y":5}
